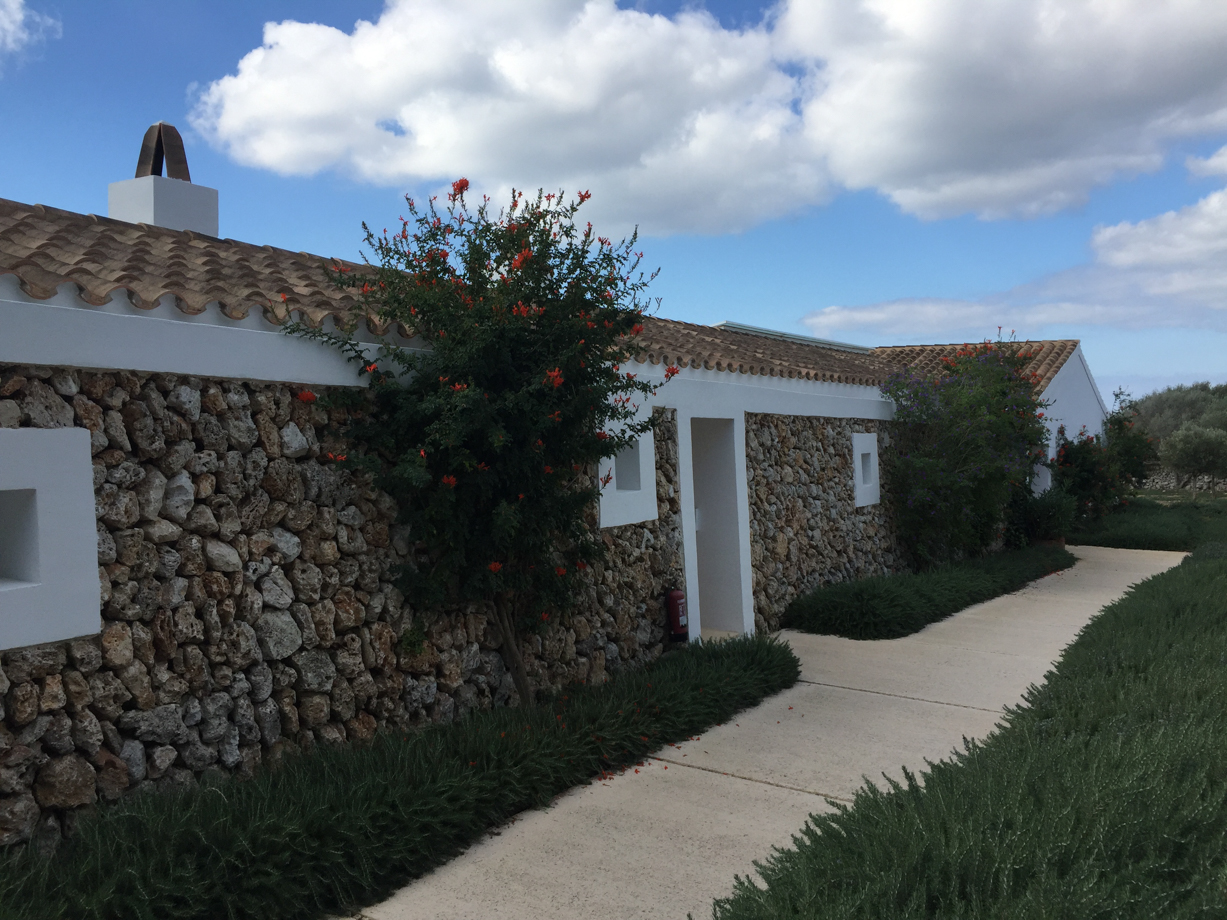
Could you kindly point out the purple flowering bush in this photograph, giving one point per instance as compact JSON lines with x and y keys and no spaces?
{"x":964,"y":441}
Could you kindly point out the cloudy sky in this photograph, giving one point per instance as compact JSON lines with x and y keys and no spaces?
{"x":876,"y":171}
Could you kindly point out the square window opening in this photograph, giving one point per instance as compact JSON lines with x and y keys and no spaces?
{"x":18,"y":538}
{"x":626,"y":469}
{"x":867,"y":468}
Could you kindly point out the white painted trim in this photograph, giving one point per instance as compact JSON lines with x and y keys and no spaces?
{"x":64,"y":601}
{"x":866,"y":492}
{"x":623,"y":506}
{"x":700,"y":393}
{"x":65,"y":331}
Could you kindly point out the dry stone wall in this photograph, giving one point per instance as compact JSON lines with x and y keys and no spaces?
{"x":248,"y":600}
{"x":805,"y":528}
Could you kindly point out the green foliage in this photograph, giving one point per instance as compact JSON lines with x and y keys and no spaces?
{"x":1129,"y":446}
{"x":1103,"y":797}
{"x":962,"y":442}
{"x":412,"y":640}
{"x":1047,"y":516}
{"x":487,"y":437}
{"x":343,"y":827}
{"x":890,"y":606}
{"x":1196,"y":451}
{"x":1085,"y":469}
{"x":1162,"y":413}
{"x":1145,"y":524}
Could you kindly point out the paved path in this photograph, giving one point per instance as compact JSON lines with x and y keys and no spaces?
{"x":668,"y":839}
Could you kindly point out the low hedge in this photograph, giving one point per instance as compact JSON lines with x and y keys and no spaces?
{"x":1147,"y":524}
{"x":890,"y":606}
{"x":344,"y":827}
{"x":1103,"y":797}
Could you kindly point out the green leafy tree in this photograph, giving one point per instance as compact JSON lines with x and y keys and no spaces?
{"x":964,"y":441}
{"x":1128,"y":444}
{"x":1194,"y":451}
{"x":1163,"y":412}
{"x":489,"y":434}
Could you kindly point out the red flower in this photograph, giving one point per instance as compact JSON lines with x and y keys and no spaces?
{"x":449,"y":481}
{"x":560,"y":571}
{"x":306,"y":396}
{"x":549,"y":471}
{"x":518,"y":262}
{"x":637,"y":328}
{"x":672,"y":371}
{"x":423,"y":453}
{"x":483,"y":466}
{"x":495,"y":567}
{"x":554,"y":377}
{"x":459,"y":187}
{"x":602,"y":436}
{"x":370,"y":367}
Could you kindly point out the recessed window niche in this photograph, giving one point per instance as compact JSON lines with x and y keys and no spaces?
{"x":18,"y":538}
{"x":865,"y":469}
{"x":626,"y":469}
{"x":48,"y":537}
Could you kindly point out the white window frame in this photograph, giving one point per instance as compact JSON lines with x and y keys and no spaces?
{"x":867,"y":487}
{"x":52,"y":592}
{"x":630,"y":505}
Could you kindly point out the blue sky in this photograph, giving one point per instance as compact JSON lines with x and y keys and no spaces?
{"x":803,"y":187}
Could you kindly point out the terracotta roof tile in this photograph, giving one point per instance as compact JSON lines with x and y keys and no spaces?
{"x":690,"y":345}
{"x":1049,"y":357}
{"x":46,"y":247}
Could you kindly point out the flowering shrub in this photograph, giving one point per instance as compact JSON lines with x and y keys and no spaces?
{"x":1098,"y":472}
{"x":1087,"y":471}
{"x":487,"y":437}
{"x":962,"y":441}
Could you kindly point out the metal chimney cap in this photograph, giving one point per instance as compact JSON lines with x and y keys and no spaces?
{"x":163,"y":142}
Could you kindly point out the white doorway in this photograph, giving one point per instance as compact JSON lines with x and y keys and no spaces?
{"x":717,"y":532}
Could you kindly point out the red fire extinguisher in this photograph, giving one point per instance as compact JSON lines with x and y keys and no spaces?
{"x":679,"y":624}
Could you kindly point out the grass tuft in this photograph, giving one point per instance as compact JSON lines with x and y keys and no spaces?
{"x":890,"y":606}
{"x":1103,"y":797}
{"x":1179,"y":526}
{"x":344,"y":827}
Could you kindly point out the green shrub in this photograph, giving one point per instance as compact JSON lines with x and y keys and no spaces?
{"x":344,"y":827}
{"x":1049,"y":515}
{"x":890,"y":606}
{"x":1104,"y":796}
{"x":962,"y":443}
{"x":1146,"y":524}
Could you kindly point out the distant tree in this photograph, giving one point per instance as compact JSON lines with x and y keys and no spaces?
{"x":1163,"y":412}
{"x":1194,"y":451}
{"x":1128,"y":444}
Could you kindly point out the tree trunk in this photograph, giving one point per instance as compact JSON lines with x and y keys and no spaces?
{"x":504,"y":605}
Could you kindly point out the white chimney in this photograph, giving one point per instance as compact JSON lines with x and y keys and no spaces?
{"x":170,"y":201}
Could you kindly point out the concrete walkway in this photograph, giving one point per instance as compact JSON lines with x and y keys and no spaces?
{"x":668,"y":838}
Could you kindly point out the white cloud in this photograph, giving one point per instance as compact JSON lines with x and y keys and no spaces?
{"x":1016,"y":107}
{"x":677,"y":123}
{"x":21,"y":27}
{"x":1166,"y":271}
{"x":1214,"y":165}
